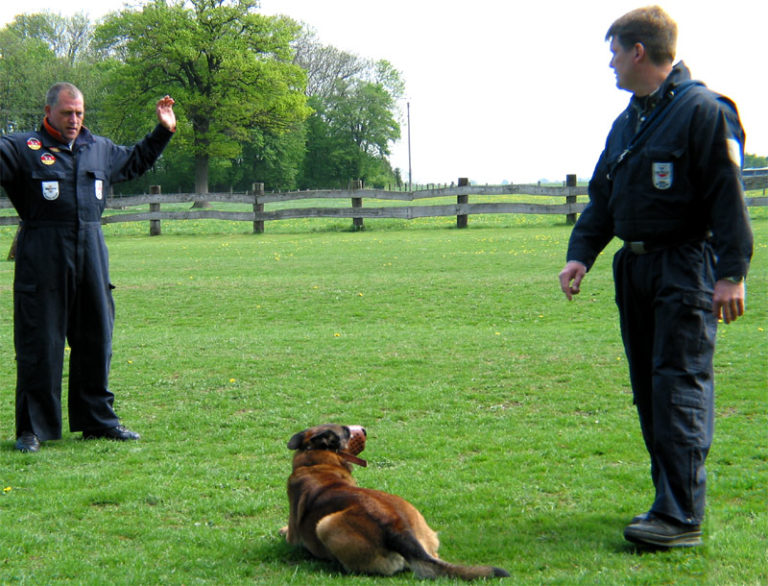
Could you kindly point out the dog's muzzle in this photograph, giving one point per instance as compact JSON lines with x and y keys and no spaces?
{"x":357,"y":437}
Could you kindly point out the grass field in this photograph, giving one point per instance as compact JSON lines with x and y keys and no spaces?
{"x":499,"y":409}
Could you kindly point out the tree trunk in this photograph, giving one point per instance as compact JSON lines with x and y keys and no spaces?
{"x":201,"y":179}
{"x":12,"y":251}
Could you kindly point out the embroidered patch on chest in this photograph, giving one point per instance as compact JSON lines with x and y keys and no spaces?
{"x":51,"y":190}
{"x":662,"y":175}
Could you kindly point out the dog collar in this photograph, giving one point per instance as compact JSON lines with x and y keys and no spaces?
{"x":354,"y":459}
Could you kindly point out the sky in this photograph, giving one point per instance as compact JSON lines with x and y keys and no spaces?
{"x":515,"y":91}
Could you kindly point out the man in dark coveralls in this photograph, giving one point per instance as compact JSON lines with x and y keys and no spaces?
{"x":669,"y":185}
{"x":57,"y":179}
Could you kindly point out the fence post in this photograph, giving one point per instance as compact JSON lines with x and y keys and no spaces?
{"x":357,"y":202}
{"x":154,"y":225}
{"x":258,"y":207}
{"x":461,"y":219}
{"x":570,"y":181}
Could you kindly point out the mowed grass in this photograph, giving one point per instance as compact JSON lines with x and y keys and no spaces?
{"x":499,"y":409}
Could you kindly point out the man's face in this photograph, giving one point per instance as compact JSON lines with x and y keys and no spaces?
{"x":622,"y":64}
{"x":67,"y":115}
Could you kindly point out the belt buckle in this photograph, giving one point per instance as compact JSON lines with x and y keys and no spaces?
{"x":637,"y":247}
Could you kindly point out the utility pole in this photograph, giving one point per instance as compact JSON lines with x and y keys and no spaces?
{"x":410,"y":173}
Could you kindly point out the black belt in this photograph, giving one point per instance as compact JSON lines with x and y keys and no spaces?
{"x":643,"y":247}
{"x":56,"y":223}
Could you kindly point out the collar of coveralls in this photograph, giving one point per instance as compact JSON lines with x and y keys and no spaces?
{"x":57,"y":136}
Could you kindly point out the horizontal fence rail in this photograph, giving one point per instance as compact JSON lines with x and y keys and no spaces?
{"x":462,"y":209}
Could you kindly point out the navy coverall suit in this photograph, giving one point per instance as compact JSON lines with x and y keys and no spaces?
{"x":676,"y":199}
{"x":62,"y":288}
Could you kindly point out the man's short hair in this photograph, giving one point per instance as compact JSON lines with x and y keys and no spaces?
{"x":651,"y":27}
{"x":52,"y":97}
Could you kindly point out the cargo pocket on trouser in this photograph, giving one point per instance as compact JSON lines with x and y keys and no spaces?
{"x":26,"y":313}
{"x":683,"y":374}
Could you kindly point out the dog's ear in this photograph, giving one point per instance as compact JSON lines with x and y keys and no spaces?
{"x":296,"y":441}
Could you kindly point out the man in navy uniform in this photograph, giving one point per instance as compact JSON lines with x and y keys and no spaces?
{"x":57,"y":179}
{"x":669,"y":185}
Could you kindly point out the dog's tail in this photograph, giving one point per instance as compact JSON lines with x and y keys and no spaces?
{"x":426,"y":566}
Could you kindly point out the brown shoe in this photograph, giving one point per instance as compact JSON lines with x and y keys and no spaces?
{"x":27,"y":442}
{"x":658,"y":532}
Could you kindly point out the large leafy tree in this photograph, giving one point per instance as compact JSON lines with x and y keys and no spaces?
{"x":354,"y":119}
{"x":228,"y":67}
{"x":350,"y":133}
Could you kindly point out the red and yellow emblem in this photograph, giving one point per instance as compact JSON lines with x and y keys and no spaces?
{"x":34,"y":143}
{"x":47,"y":159}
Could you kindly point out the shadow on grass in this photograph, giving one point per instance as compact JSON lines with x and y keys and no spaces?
{"x":541,"y":545}
{"x":549,"y":537}
{"x":279,"y":554}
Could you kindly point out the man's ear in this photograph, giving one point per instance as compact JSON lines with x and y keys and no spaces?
{"x":638,"y":52}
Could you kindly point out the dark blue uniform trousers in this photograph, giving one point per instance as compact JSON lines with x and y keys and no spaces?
{"x":665,"y":308}
{"x":62,"y":291}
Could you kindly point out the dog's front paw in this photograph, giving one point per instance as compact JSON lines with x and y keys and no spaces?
{"x":284,"y":531}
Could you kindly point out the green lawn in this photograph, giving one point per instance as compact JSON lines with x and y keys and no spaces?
{"x":499,"y":409}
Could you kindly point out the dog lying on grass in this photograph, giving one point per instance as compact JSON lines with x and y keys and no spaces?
{"x":367,"y":531}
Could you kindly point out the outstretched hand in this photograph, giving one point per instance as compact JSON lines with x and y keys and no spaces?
{"x":165,"y":114}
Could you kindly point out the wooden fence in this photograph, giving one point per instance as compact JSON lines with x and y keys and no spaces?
{"x":258,"y":199}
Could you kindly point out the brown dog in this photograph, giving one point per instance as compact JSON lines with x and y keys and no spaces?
{"x":367,"y":531}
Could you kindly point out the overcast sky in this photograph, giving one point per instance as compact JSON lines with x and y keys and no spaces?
{"x":516,"y":91}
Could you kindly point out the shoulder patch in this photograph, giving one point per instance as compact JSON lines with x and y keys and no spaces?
{"x":734,"y":152}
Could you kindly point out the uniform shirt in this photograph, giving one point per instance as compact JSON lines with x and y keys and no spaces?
{"x":682,"y":183}
{"x":47,"y":181}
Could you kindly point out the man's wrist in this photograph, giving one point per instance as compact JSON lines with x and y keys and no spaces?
{"x":735,"y":280}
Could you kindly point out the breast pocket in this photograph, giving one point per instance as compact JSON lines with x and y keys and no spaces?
{"x":48,"y":185}
{"x":99,"y":184}
{"x":51,"y":196}
{"x":665,"y":168}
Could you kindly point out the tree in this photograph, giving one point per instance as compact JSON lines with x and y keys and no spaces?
{"x":22,"y":83}
{"x":37,"y":50}
{"x":755,"y":162}
{"x":325,"y":65}
{"x":67,"y":38}
{"x":354,"y":117}
{"x":227,"y":67}
{"x":31,"y":57}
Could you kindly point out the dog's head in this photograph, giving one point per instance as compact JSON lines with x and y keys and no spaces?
{"x":346,"y":440}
